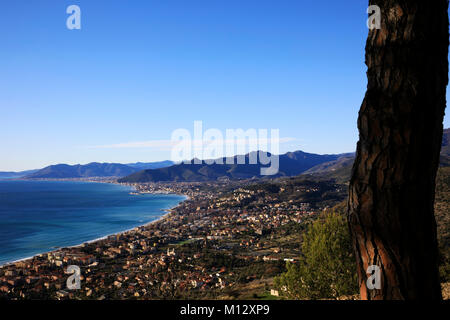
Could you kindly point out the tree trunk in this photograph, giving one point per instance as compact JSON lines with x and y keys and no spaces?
{"x":391,"y":194}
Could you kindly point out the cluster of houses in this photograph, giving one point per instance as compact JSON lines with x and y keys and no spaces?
{"x":145,"y":262}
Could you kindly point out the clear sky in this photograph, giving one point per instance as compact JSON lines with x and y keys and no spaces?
{"x":138,"y":70}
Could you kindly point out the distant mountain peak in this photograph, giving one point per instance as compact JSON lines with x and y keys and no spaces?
{"x":92,"y":169}
{"x":290,"y":164}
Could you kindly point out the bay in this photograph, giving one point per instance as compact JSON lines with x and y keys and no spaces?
{"x":40,"y":216}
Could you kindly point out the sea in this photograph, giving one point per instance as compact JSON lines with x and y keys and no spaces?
{"x":42,"y":216}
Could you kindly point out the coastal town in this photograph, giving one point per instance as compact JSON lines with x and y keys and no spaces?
{"x":226,"y":240}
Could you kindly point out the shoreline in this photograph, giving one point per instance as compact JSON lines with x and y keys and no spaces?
{"x":159,"y":219}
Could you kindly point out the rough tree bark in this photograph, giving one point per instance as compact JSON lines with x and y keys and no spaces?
{"x":391,"y":193}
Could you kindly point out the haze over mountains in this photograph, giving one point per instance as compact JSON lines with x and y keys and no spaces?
{"x":15,"y":175}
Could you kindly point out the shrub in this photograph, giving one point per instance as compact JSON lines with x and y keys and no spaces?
{"x":327,"y":268}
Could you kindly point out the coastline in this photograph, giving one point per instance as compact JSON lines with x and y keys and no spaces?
{"x":93,"y":241}
{"x":159,"y":219}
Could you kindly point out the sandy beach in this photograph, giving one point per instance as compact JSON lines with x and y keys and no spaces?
{"x":93,"y":241}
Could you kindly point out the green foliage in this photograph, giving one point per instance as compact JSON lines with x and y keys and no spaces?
{"x":327,"y":268}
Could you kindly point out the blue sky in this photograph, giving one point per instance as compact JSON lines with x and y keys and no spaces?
{"x":138,"y":70}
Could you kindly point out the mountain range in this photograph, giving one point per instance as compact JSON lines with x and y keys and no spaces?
{"x":15,"y":175}
{"x":290,"y":164}
{"x":341,"y":168}
{"x":337,"y":167}
{"x":329,"y":166}
{"x":93,"y":169}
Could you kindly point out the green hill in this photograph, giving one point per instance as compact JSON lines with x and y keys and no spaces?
{"x":340,"y":169}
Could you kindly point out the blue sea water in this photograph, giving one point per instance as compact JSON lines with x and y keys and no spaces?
{"x":40,"y":216}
